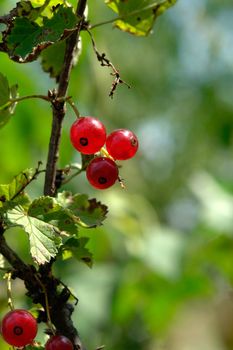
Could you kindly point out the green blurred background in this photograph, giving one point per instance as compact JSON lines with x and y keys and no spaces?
{"x":162,"y":278}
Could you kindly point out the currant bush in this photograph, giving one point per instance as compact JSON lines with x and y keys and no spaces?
{"x":122,"y":144}
{"x":59,"y":342}
{"x":19,"y":328}
{"x":87,"y":135}
{"x":102,"y":172}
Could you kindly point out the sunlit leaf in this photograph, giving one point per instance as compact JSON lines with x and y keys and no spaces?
{"x":49,"y":210}
{"x":43,"y":237}
{"x":137,"y":17}
{"x":90,"y":212}
{"x":27,"y":37}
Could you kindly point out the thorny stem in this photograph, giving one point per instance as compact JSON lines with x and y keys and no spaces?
{"x":5,"y":19}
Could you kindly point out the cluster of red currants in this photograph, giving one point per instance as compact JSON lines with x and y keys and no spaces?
{"x":88,"y":136}
{"x":19,"y":328}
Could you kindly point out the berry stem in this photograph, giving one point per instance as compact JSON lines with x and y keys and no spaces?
{"x":72,"y":105}
{"x":9,"y":291}
{"x":105,"y":153}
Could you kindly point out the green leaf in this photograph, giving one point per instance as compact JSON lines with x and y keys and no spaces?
{"x":53,"y":56}
{"x":136,"y":16}
{"x":47,"y":6}
{"x":6,"y":93}
{"x":76,"y":247}
{"x":4,"y":90}
{"x":49,"y":210}
{"x":27,"y":37}
{"x":52,"y":59}
{"x":44,"y":237}
{"x":13,"y":189}
{"x":90,"y":212}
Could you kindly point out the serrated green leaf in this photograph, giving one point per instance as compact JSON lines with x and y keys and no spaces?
{"x":44,"y":8}
{"x":27,"y":37}
{"x":48,"y":5}
{"x":36,"y":10}
{"x":76,"y":247}
{"x":48,"y":210}
{"x":136,"y":16}
{"x":90,"y":212}
{"x":43,"y":237}
{"x":52,"y":59}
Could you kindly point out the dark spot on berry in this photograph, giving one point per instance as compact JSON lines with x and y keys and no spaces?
{"x":102,"y":180}
{"x":83,"y":141}
{"x":133,"y":142}
{"x":138,"y":19}
{"x":18,"y":330}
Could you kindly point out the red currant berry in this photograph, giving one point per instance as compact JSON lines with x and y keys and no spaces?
{"x":102,"y":172}
{"x":87,"y":135}
{"x":122,"y":144}
{"x":19,"y":328}
{"x":59,"y":342}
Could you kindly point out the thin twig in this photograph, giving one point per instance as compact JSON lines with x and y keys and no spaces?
{"x":34,"y":176}
{"x":105,"y":62}
{"x":19,"y":99}
{"x":50,"y":324}
{"x":67,"y":288}
{"x":68,"y":179}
